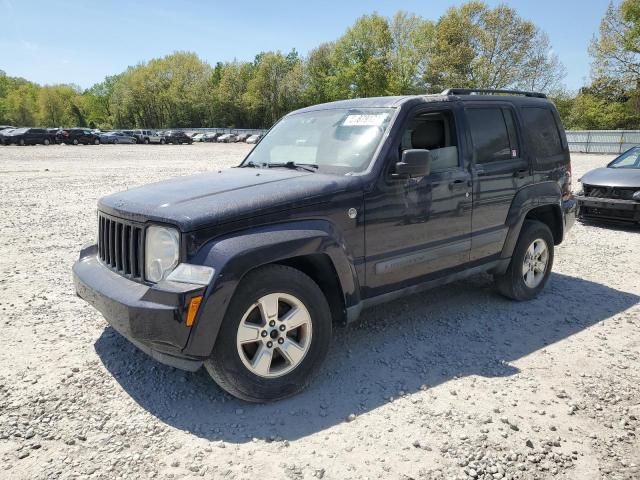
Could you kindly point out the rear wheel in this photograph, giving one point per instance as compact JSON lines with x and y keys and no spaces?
{"x":530,"y":265}
{"x":146,"y":141}
{"x":162,"y":141}
{"x":115,"y":141}
{"x":21,"y":142}
{"x":46,"y":141}
{"x":96,"y":141}
{"x":274,"y":336}
{"x":75,"y":141}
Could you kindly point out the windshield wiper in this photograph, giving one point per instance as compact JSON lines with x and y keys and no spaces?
{"x":309,"y":167}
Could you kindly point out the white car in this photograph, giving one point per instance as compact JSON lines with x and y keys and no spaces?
{"x":228,"y":138}
{"x":254,"y":138}
{"x":199,"y":137}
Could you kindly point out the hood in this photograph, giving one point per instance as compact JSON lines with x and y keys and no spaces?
{"x":214,"y":198}
{"x":613,"y":177}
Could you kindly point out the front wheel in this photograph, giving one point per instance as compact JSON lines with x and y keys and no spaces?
{"x":96,"y":141}
{"x":162,"y":141}
{"x":75,"y":141}
{"x":530,"y":265}
{"x":46,"y":141}
{"x":146,"y":141}
{"x":274,"y":336}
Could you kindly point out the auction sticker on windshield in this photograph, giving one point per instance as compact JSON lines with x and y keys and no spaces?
{"x":374,"y":120}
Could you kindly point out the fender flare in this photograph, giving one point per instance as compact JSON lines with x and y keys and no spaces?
{"x":233,"y":256}
{"x":525,"y":200}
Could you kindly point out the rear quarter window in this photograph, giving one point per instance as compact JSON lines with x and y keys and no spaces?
{"x":542,"y":131}
{"x":493,"y":134}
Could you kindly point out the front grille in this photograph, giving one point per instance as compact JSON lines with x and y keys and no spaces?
{"x":617,"y":193}
{"x":120,"y":246}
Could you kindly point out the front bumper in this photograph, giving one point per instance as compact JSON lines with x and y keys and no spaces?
{"x":152,"y":317}
{"x":609,"y":209}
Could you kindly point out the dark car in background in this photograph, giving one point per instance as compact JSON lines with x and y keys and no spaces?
{"x":28,"y":136}
{"x":612,"y":193}
{"x":177,"y":137}
{"x":116,"y":137}
{"x":77,"y":136}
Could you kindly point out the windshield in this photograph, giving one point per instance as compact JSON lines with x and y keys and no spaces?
{"x":336,"y":140}
{"x":629,"y":159}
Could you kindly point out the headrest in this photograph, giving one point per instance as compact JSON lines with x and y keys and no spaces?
{"x":428,"y":135}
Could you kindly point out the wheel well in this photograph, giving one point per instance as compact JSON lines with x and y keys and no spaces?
{"x":321,"y":270}
{"x":550,"y":216}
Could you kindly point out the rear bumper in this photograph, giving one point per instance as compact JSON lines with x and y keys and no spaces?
{"x":150,"y":317}
{"x":609,"y":209}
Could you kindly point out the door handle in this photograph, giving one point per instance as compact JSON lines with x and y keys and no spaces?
{"x":521,"y":173}
{"x":458,"y":184}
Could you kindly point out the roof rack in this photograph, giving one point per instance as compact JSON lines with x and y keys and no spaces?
{"x":490,"y":91}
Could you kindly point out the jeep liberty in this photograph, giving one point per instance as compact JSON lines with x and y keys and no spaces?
{"x":340,"y":206}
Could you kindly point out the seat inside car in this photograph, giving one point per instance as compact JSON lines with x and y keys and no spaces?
{"x":433,"y":132}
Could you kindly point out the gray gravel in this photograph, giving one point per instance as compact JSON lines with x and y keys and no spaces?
{"x":453,"y":383}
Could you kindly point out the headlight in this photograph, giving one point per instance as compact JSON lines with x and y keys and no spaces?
{"x":187,"y":273}
{"x":636,"y":196}
{"x":162,"y":250}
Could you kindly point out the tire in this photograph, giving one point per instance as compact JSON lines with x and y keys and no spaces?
{"x":115,"y":141}
{"x":75,"y":141}
{"x":146,"y":141}
{"x":162,"y":141}
{"x":525,"y":281}
{"x":229,"y":361}
{"x":96,"y":141}
{"x":21,"y":142}
{"x":46,"y":141}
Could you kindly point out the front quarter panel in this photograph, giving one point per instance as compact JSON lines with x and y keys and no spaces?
{"x":233,"y":256}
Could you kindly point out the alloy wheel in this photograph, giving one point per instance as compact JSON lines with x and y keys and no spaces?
{"x":536,"y":260}
{"x":274,"y":335}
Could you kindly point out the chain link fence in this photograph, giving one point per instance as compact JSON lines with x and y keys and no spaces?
{"x":602,"y":141}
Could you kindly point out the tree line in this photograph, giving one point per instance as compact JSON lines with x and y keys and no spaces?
{"x":471,"y":45}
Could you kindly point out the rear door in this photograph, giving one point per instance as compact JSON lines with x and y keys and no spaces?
{"x":499,"y":170}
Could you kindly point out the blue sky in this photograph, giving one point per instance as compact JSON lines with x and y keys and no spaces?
{"x":81,"y":42}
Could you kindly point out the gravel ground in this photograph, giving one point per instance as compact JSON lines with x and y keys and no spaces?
{"x":457,"y":382}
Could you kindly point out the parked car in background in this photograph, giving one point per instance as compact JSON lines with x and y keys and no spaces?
{"x":144,"y":136}
{"x":5,"y":132}
{"x":28,"y":136}
{"x":227,"y":138}
{"x":77,"y":136}
{"x":116,"y":137}
{"x":242,"y":137}
{"x":612,"y":193}
{"x":199,"y":137}
{"x":254,"y":138}
{"x":212,"y":137}
{"x":157,"y":137}
{"x":177,"y":137}
{"x":6,"y":127}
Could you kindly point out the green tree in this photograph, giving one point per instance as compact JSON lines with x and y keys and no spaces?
{"x":362,"y":58}
{"x":480,"y":47}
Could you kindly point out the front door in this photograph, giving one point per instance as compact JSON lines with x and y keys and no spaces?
{"x":419,"y":228}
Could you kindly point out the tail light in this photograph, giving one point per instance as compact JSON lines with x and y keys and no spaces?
{"x":566,"y":186}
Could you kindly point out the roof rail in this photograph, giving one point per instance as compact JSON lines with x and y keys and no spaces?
{"x":490,"y":91}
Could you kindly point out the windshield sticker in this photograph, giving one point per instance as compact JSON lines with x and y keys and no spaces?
{"x":374,"y":120}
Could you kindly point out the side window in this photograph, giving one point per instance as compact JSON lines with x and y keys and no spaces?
{"x":543,"y":132}
{"x":434,"y":131}
{"x":493,"y":133}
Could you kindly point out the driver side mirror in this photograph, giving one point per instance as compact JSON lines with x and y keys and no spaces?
{"x":414,"y":163}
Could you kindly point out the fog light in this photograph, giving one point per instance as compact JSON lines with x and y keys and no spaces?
{"x":187,"y":273}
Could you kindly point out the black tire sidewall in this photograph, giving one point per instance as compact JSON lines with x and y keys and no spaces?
{"x":532,"y":230}
{"x":225,"y":360}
